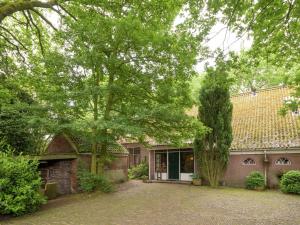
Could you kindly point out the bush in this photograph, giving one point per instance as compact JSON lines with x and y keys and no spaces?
{"x":255,"y":180}
{"x":89,"y":182}
{"x":290,"y":182}
{"x":138,"y":171}
{"x":20,"y":184}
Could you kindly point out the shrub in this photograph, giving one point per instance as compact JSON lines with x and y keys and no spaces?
{"x":20,"y":183}
{"x":89,"y":182}
{"x":138,"y":171}
{"x":255,"y":180}
{"x":290,"y":182}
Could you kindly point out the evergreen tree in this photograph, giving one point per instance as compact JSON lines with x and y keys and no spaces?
{"x":215,"y":112}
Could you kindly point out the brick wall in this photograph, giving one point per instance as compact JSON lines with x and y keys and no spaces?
{"x":59,"y":144}
{"x":236,"y":172}
{"x":63,"y":172}
{"x":120,"y":162}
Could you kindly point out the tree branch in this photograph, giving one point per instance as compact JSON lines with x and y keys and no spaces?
{"x":44,"y":18}
{"x":9,"y":8}
{"x":13,"y":36}
{"x":38,"y":32}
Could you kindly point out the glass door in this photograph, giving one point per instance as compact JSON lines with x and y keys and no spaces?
{"x":173,"y":165}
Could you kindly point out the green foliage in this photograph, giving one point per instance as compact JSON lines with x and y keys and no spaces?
{"x":215,"y":112}
{"x":89,"y":182}
{"x":196,"y":176}
{"x":124,"y":71}
{"x":274,"y":27}
{"x":290,"y":182}
{"x":255,"y":180}
{"x":20,"y":183}
{"x":139,"y":171}
{"x":251,"y":72}
{"x":17,"y":114}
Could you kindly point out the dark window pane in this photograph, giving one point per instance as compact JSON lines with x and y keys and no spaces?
{"x":137,"y":151}
{"x":131,"y":151}
{"x":186,"y":162}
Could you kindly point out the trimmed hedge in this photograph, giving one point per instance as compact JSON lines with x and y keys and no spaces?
{"x":290,"y":182}
{"x":255,"y":180}
{"x":20,"y":184}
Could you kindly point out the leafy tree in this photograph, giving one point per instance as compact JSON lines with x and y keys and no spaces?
{"x":274,"y":26}
{"x":17,"y":112}
{"x":215,"y":112}
{"x":124,"y":73}
{"x":250,"y":72}
{"x":29,"y":15}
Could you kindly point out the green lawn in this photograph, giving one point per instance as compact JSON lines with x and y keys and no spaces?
{"x":139,"y":203}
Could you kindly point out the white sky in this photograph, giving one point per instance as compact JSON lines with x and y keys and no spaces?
{"x":226,"y":41}
{"x":219,"y":37}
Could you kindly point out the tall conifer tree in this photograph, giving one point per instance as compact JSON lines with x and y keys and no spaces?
{"x":215,"y":112}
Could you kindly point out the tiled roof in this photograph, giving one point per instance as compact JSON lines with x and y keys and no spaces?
{"x":257,"y":124}
{"x":85,"y":146}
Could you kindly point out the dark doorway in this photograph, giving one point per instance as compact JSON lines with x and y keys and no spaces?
{"x":173,"y":165}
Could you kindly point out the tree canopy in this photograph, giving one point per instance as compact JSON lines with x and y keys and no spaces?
{"x":274,"y":26}
{"x":120,"y":70}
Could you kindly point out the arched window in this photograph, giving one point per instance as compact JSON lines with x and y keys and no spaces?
{"x":249,"y":162}
{"x":283,"y":162}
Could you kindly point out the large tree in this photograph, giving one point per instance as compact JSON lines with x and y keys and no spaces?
{"x":17,"y":114}
{"x":122,"y":70}
{"x":251,"y":72}
{"x":215,"y":112}
{"x":274,"y":26}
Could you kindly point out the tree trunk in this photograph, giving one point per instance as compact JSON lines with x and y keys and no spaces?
{"x":94,"y":129}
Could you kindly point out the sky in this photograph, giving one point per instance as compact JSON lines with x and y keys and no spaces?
{"x":219,"y":37}
{"x":225,"y":40}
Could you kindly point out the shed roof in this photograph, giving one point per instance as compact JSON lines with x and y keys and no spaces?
{"x":257,"y":124}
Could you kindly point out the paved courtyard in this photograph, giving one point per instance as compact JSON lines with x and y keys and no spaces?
{"x":139,"y":203}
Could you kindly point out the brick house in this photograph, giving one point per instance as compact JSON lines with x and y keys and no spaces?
{"x":263,"y":141}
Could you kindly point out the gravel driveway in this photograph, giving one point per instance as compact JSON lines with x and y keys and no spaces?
{"x":157,"y":203}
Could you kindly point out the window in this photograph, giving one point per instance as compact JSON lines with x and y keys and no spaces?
{"x":134,"y":156}
{"x":161,"y":162}
{"x":249,"y":162}
{"x":186,"y":162}
{"x":283,"y":162}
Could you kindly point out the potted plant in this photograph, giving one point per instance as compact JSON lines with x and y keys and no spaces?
{"x":197,"y":181}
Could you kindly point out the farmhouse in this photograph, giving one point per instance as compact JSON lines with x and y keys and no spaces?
{"x":263,"y":141}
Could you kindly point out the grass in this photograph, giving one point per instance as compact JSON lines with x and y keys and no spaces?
{"x":140,"y":203}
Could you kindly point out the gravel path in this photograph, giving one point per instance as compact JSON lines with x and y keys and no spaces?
{"x":139,"y":203}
